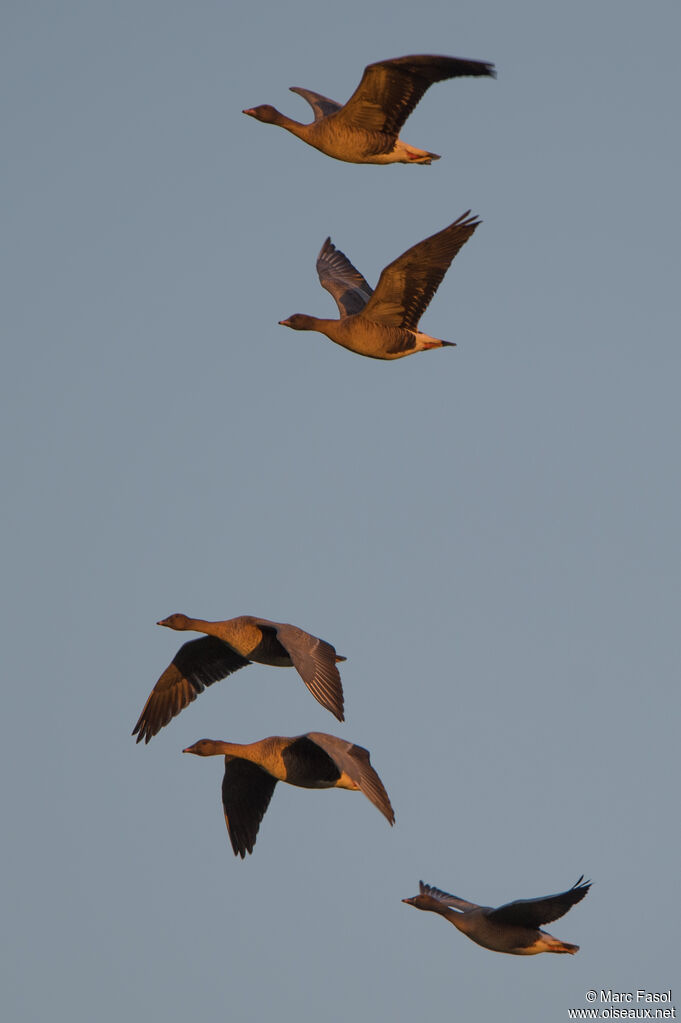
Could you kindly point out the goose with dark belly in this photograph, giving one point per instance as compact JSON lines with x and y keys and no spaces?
{"x":232,"y":644}
{"x":312,"y":761}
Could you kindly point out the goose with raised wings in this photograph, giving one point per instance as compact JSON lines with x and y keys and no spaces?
{"x":366,"y":129}
{"x":383,"y":324}
{"x":513,"y":928}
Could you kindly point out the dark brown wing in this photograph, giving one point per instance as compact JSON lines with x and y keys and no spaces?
{"x":315,"y":662}
{"x":340,"y":278}
{"x":354,"y":760}
{"x":407,"y":285}
{"x":445,"y":898}
{"x":534,"y":912}
{"x":197,"y":664}
{"x":321,"y":105}
{"x":246,"y":794}
{"x":390,"y":89}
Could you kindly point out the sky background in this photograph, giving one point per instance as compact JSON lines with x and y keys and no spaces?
{"x":489,"y":533}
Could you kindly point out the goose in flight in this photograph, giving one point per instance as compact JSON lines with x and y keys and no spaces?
{"x":513,"y":928}
{"x":228,"y":646}
{"x":311,"y":761}
{"x":366,"y":129}
{"x":383,"y":324}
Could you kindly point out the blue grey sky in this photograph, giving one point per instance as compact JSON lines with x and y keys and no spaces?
{"x":489,"y":533}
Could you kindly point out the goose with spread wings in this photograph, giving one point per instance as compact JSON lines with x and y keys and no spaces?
{"x":513,"y":928}
{"x":228,"y":646}
{"x":311,"y":761}
{"x":366,"y":129}
{"x":383,"y":324}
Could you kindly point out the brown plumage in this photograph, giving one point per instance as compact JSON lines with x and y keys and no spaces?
{"x":512,"y":928}
{"x":366,"y":129}
{"x":383,"y":324}
{"x":228,"y":646}
{"x":311,"y":761}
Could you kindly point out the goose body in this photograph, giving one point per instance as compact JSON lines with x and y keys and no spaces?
{"x":383,"y":324}
{"x":512,"y":928}
{"x":311,"y":761}
{"x":232,"y":644}
{"x":366,"y":128}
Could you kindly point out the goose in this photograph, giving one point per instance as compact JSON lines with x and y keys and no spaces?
{"x":366,"y":129}
{"x":513,"y":928}
{"x":228,"y":646}
{"x":311,"y":761}
{"x":383,"y":324}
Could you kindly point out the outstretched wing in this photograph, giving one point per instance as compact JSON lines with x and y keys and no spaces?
{"x":534,"y":912}
{"x":407,"y":285}
{"x":246,"y":794}
{"x":197,"y":664}
{"x":321,"y":105}
{"x":445,"y":898}
{"x":340,"y":278}
{"x":354,"y":761}
{"x":390,"y":89}
{"x":315,"y":662}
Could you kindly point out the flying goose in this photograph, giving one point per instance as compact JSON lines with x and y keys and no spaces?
{"x":231,"y":645}
{"x":366,"y":129}
{"x":311,"y":761}
{"x":383,"y":324}
{"x":513,"y":928}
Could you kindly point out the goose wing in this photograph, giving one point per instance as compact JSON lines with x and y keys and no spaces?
{"x":321,"y":105}
{"x":407,"y":285}
{"x":315,"y":661}
{"x":197,"y":664}
{"x":355,"y":762}
{"x":534,"y":912}
{"x":445,"y":898}
{"x":340,"y":278}
{"x":390,"y":89}
{"x":246,"y":794}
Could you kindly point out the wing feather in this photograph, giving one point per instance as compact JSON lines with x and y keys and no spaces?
{"x":355,"y":762}
{"x":407,"y":285}
{"x":339,"y":277}
{"x":445,"y":898}
{"x":315,"y":661}
{"x":246,"y":794}
{"x":197,"y":664}
{"x":534,"y":912}
{"x":322,"y":106}
{"x":390,"y":89}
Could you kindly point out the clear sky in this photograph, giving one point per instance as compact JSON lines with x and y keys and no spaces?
{"x":489,"y":533}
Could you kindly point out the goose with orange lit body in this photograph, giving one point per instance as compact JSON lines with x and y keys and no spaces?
{"x":311,"y":761}
{"x":366,"y":128}
{"x":232,"y":644}
{"x":383,"y":324}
